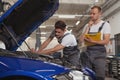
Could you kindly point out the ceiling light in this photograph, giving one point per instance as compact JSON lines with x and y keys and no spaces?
{"x":77,"y":22}
{"x":42,"y":26}
{"x":69,"y":16}
{"x":96,"y":0}
{"x":43,"y":32}
{"x":66,"y":16}
{"x":43,"y":38}
{"x":70,"y":30}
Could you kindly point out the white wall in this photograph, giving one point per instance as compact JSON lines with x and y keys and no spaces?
{"x":31,"y":43}
{"x":52,"y":44}
{"x":115,"y":28}
{"x":115,"y":24}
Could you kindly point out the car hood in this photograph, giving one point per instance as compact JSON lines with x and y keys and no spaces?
{"x":23,"y":18}
{"x":13,"y":66}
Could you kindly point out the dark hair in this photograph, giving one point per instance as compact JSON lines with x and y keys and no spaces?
{"x":98,"y":7}
{"x":60,"y":24}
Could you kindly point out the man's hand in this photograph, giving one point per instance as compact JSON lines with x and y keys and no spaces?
{"x":90,"y":23}
{"x":89,"y":40}
{"x":33,"y":50}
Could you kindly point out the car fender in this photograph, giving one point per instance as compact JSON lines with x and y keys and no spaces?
{"x":23,"y":73}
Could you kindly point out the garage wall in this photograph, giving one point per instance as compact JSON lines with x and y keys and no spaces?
{"x":115,"y":24}
{"x":115,"y":29}
{"x":31,"y":43}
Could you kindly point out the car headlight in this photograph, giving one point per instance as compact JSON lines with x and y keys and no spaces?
{"x":73,"y":75}
{"x":78,"y":75}
{"x":63,"y":77}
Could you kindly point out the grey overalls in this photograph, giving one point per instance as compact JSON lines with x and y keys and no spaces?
{"x":71,"y":53}
{"x":95,"y":58}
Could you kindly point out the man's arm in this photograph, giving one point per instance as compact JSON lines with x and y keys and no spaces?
{"x":82,"y":36}
{"x":52,"y":50}
{"x":45,"y":43}
{"x":106,"y":38}
{"x":85,"y":31}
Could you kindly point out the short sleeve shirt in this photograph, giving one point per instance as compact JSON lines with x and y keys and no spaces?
{"x":106,"y":29}
{"x":69,"y":40}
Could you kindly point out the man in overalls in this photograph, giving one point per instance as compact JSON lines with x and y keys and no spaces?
{"x":96,"y":35}
{"x":67,"y":43}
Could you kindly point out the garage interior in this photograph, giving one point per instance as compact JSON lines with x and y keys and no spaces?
{"x":76,"y":14}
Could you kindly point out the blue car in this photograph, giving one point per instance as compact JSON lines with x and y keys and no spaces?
{"x":16,"y":24}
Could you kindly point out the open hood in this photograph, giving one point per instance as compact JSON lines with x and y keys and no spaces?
{"x":22,"y":19}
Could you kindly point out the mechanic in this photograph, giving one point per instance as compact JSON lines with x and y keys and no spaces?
{"x":67,"y":43}
{"x":96,"y":34}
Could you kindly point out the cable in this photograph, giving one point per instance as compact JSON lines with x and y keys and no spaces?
{"x":14,"y":39}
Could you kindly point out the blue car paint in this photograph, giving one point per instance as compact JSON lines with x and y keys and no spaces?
{"x":11,"y":66}
{"x":10,"y":10}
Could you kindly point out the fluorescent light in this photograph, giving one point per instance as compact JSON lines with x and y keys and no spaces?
{"x":77,"y":22}
{"x":42,"y":26}
{"x":43,"y":32}
{"x":66,"y":16}
{"x":70,"y":30}
{"x":96,"y":0}
{"x":43,"y":38}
